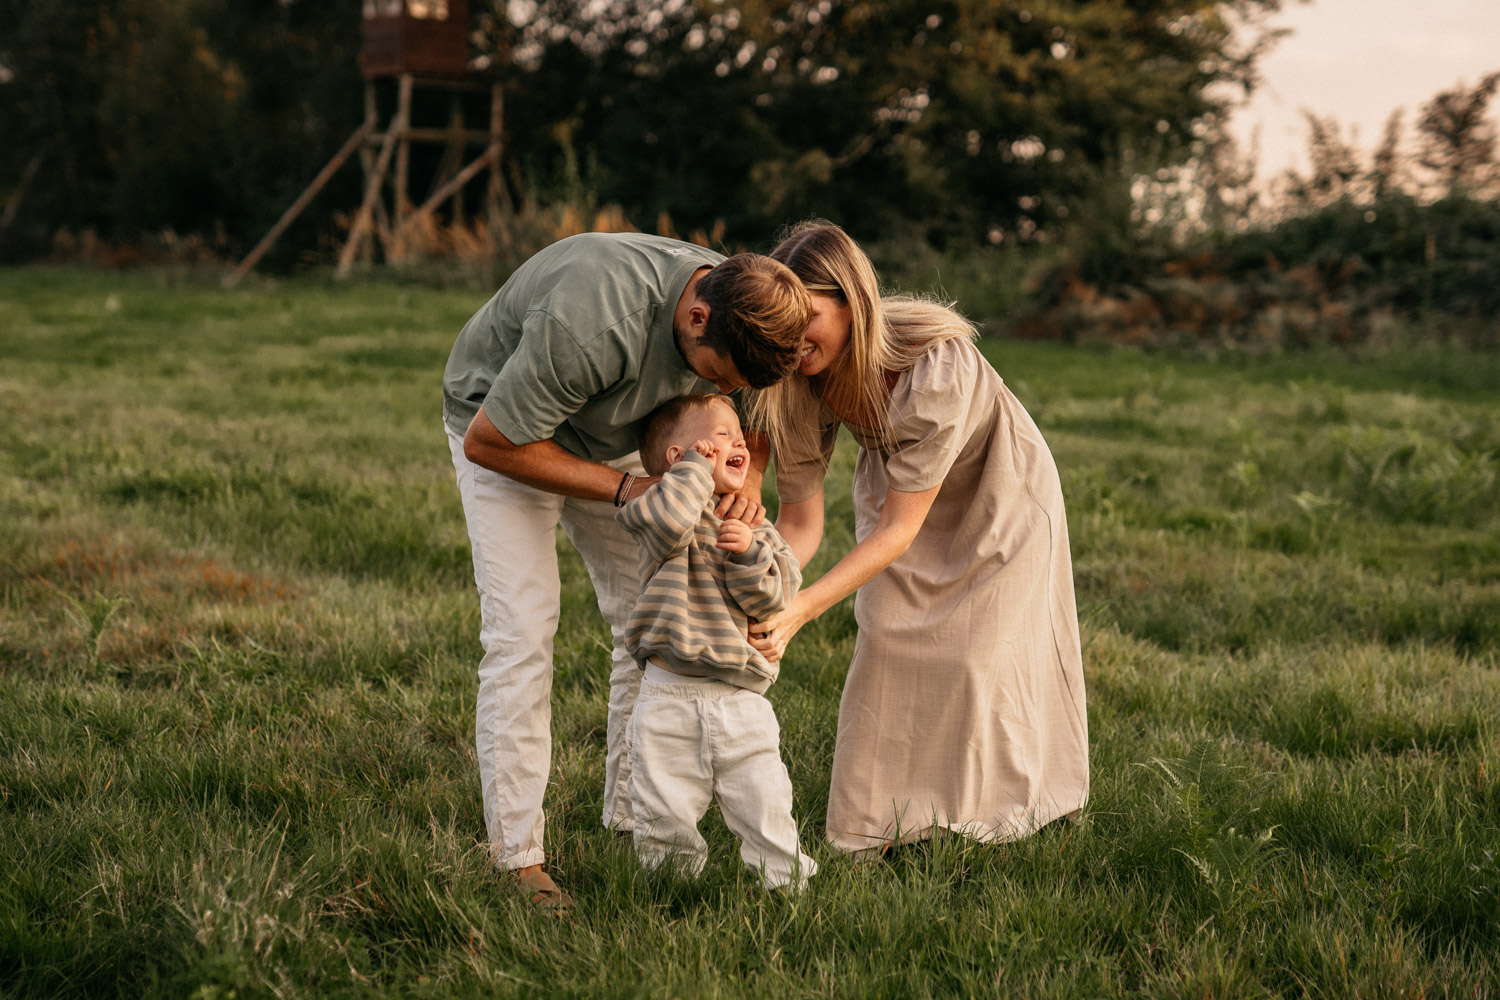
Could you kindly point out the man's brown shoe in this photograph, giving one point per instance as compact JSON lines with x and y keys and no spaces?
{"x":541,"y":891}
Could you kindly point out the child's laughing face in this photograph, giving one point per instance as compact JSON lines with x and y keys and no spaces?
{"x":719,"y":425}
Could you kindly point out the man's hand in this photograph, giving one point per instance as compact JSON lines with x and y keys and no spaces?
{"x":734,"y":536}
{"x":738,"y":507}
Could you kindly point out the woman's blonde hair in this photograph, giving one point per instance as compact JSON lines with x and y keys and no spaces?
{"x":886,"y":334}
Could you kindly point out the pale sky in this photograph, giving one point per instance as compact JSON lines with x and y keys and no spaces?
{"x":1358,"y":60}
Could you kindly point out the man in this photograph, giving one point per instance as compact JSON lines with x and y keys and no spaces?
{"x":544,"y":394}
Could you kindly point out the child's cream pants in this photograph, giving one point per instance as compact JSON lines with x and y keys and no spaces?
{"x":691,"y":739}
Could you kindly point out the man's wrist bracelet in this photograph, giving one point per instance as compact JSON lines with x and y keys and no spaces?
{"x":622,"y":492}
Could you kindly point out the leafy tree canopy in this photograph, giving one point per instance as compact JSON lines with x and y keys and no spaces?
{"x":948,"y":120}
{"x":967,"y":119}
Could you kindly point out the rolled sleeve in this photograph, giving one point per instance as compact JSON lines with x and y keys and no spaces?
{"x":545,"y":381}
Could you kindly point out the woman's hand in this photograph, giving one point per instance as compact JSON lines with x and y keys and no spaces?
{"x":900,"y":520}
{"x":772,"y":635}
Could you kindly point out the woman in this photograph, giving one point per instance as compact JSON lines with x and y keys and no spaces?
{"x":963,"y":709}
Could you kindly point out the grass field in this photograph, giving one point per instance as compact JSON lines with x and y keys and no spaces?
{"x":238,"y":639}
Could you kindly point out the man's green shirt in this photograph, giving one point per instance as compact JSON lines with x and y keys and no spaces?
{"x":577,"y":346}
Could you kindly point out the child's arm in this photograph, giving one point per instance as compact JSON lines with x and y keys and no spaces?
{"x":662,"y":518}
{"x":765,"y":577}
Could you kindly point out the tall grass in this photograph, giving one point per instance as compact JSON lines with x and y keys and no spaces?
{"x":238,"y":639}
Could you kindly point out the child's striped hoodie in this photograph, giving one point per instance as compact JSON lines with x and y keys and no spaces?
{"x":696,"y":599}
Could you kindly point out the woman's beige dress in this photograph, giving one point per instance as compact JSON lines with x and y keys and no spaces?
{"x":964,"y":705}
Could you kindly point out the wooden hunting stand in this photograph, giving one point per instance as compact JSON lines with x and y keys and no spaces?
{"x":416,"y":44}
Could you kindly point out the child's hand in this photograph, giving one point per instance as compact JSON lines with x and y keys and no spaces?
{"x":734,"y":536}
{"x":706,"y":448}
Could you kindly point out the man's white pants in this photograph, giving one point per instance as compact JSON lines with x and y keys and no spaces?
{"x":693,"y":738}
{"x":512,"y":535}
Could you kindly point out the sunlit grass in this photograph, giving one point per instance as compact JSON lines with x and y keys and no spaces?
{"x":238,"y":639}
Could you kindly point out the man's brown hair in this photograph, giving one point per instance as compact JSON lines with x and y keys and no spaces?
{"x":758,"y":311}
{"x":662,"y":423}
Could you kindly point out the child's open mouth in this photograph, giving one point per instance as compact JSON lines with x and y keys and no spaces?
{"x":736,"y":462}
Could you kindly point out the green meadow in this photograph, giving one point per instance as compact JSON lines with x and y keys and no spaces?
{"x":238,"y":636}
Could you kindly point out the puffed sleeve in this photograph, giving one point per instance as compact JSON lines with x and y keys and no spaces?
{"x":929,"y":406}
{"x":802,"y":462}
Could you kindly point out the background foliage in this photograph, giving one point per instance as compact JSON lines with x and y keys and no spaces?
{"x":202,"y":117}
{"x":943,"y":120}
{"x":966,"y":121}
{"x":1062,"y":168}
{"x":1202,"y":253}
{"x":1063,"y":165}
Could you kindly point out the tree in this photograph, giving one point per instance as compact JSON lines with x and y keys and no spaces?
{"x":949,"y":119}
{"x":942,"y":120}
{"x":1333,"y":166}
{"x":193,"y":115}
{"x":1456,"y":141}
{"x":1388,"y":173}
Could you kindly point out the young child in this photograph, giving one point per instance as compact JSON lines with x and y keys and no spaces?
{"x":701,"y":725}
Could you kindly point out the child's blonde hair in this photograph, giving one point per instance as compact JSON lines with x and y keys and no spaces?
{"x":663,"y":422}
